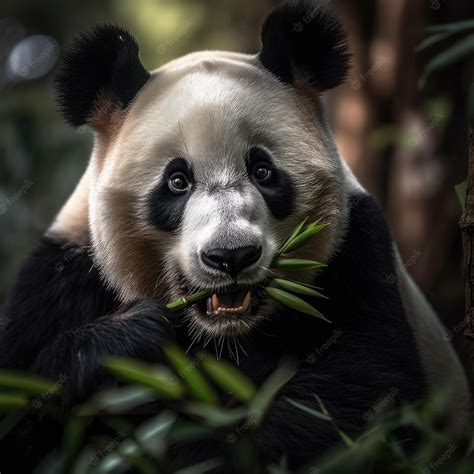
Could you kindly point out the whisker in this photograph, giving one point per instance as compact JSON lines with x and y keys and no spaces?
{"x":242,"y":347}
{"x":236,"y":351}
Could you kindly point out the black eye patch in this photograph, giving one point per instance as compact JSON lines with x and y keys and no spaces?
{"x":165,"y":207}
{"x":278,"y":190}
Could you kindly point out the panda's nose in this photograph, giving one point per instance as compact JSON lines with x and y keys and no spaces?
{"x":231,"y":261}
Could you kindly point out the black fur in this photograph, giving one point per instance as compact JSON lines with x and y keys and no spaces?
{"x":58,"y":289}
{"x":101,"y":63}
{"x":57,"y":325}
{"x":165,"y":208}
{"x":279,"y":191}
{"x":302,"y":39}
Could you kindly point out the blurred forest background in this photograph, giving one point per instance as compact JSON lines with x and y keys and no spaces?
{"x":401,"y":121}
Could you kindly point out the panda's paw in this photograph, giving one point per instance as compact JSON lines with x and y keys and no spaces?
{"x":151,"y":309}
{"x":75,"y":358}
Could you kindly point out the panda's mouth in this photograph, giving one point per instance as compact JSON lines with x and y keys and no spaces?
{"x":237,"y":302}
{"x":230,"y":311}
{"x":232,"y":303}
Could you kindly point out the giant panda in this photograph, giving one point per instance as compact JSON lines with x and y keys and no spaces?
{"x":199,"y":171}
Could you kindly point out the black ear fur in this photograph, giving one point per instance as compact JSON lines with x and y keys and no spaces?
{"x":101,"y":64}
{"x":302,"y":39}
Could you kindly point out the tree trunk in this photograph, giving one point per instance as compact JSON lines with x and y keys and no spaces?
{"x":467,"y":228}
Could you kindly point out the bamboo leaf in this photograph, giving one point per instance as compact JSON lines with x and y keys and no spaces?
{"x":303,"y":237}
{"x":216,"y":416}
{"x":295,"y":233}
{"x":311,"y":411}
{"x":159,"y":379}
{"x":306,"y":284}
{"x":192,"y":377}
{"x":149,"y":438}
{"x":73,"y":437}
{"x":153,"y":432}
{"x":452,"y":27}
{"x":294,"y":302}
{"x":11,"y":400}
{"x":27,"y":383}
{"x":297,"y":264}
{"x":347,"y":440}
{"x":184,"y":432}
{"x":119,"y":400}
{"x":433,"y":39}
{"x":449,"y":56}
{"x":229,"y":378}
{"x":314,"y":224}
{"x":268,"y":391}
{"x":300,"y":288}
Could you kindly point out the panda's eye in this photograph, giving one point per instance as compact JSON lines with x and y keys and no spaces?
{"x":178,"y":183}
{"x":262,"y":172}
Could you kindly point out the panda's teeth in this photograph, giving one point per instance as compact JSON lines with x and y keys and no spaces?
{"x":215,"y":302}
{"x":216,"y":306}
{"x":246,"y":303}
{"x":238,"y":310}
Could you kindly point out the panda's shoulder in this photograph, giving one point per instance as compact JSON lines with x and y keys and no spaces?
{"x":57,"y":275}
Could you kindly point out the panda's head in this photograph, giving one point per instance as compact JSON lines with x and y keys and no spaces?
{"x":201,"y":168}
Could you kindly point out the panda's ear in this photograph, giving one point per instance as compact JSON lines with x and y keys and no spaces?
{"x":303,"y":40}
{"x":100,"y":74}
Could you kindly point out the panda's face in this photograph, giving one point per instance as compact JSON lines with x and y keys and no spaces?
{"x":213,"y":165}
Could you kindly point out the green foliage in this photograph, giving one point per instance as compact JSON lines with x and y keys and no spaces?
{"x":229,"y":378}
{"x":462,"y":49}
{"x":27,"y":384}
{"x":232,"y":422}
{"x":302,"y":237}
{"x":297,"y":264}
{"x":294,"y":302}
{"x":296,"y":287}
{"x":158,"y":379}
{"x":191,"y":376}
{"x":12,"y":400}
{"x":454,"y":43}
